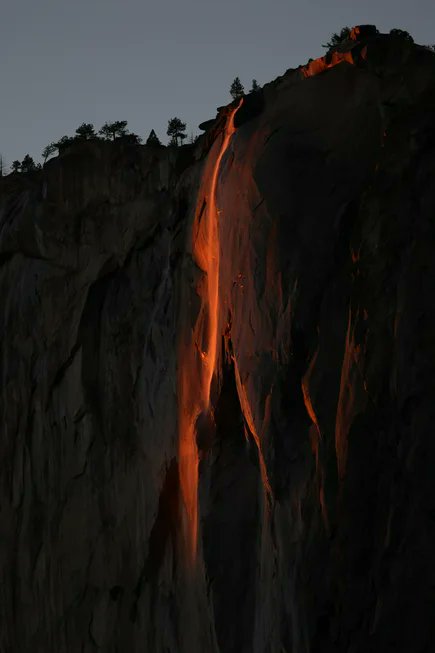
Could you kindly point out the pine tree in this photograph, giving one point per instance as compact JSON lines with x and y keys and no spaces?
{"x":49,"y":150}
{"x":112,"y":130}
{"x":28,"y":164}
{"x":16,"y":166}
{"x":153,"y":139}
{"x":86,"y":131}
{"x":255,"y":87}
{"x":176,"y":130}
{"x":236,"y":89}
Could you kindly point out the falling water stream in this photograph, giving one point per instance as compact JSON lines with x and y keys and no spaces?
{"x":198,"y":358}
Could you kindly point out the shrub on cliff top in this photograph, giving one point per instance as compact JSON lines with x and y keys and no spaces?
{"x":86,"y":131}
{"x":402,"y":34}
{"x":64,"y":142}
{"x":131,"y":139}
{"x":337,"y":38}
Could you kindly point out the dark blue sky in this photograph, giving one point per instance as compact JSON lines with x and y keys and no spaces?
{"x":64,"y":62}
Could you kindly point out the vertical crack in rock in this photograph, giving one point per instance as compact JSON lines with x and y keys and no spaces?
{"x":248,"y":415}
{"x":230,"y":554}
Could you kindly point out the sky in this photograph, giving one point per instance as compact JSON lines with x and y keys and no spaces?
{"x":145,"y":61}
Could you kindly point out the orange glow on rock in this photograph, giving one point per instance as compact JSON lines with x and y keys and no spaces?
{"x":306,"y":394}
{"x":355,"y":33}
{"x":352,"y":396}
{"x":320,"y":65}
{"x":198,"y":352}
{"x":247,"y":413}
{"x":315,"y":436}
{"x":355,"y":255}
{"x":309,"y":406}
{"x":345,"y":403}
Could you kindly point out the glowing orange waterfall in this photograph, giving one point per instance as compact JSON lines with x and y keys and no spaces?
{"x":198,"y":352}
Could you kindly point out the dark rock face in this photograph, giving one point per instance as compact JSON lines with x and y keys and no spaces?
{"x":323,"y":387}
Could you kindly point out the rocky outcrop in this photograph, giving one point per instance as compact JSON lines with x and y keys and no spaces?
{"x":312,"y":450}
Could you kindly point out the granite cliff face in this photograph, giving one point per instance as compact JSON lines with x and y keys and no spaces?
{"x":217,"y":377}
